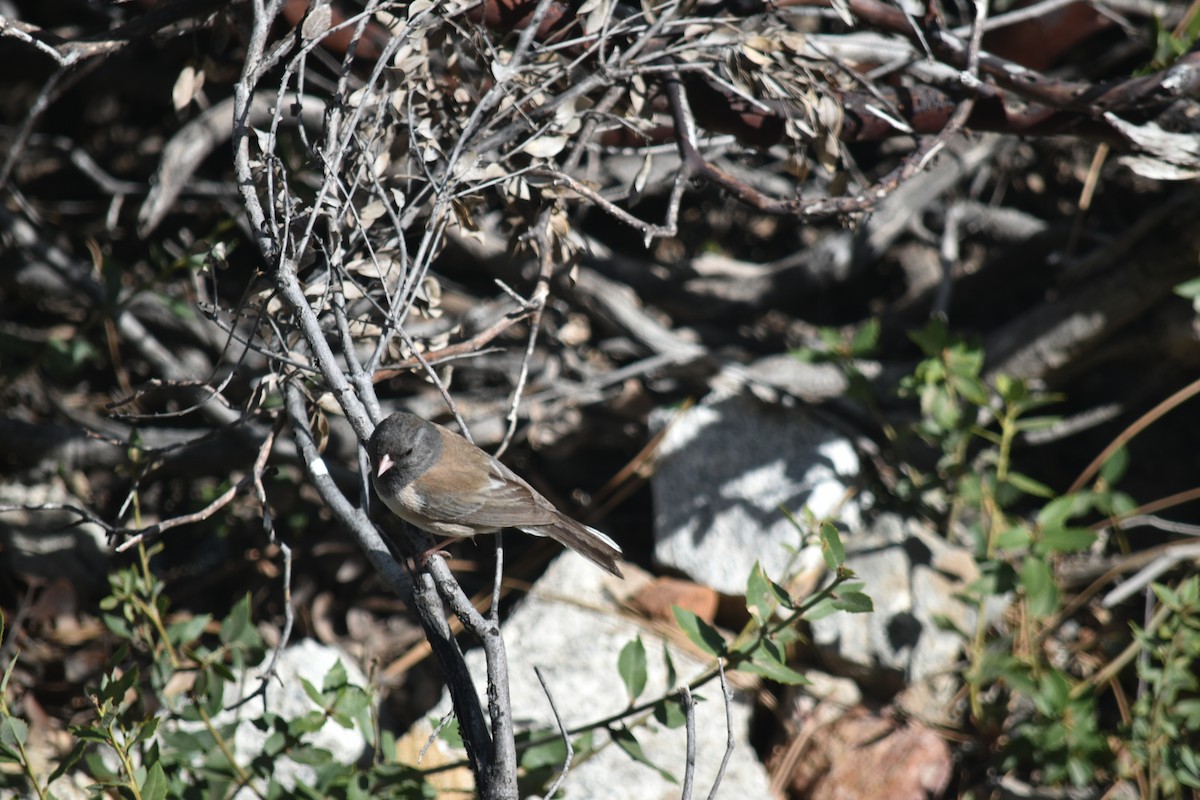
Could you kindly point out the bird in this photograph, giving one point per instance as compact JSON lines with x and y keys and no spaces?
{"x":438,"y":481}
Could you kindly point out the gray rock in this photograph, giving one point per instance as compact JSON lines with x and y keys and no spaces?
{"x":53,"y":545}
{"x":570,"y":628}
{"x":778,"y":378}
{"x":913,"y":576}
{"x":311,"y":661}
{"x":725,"y":468}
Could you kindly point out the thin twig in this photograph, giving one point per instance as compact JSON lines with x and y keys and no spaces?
{"x":139,"y":536}
{"x":1142,"y":422}
{"x":727,"y":698}
{"x":545,"y":251}
{"x":1181,"y":551}
{"x":689,"y":768}
{"x":562,"y":729}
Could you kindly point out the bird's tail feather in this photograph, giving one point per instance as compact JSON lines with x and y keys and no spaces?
{"x":588,"y":542}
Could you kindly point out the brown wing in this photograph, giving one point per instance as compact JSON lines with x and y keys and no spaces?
{"x":501,"y":500}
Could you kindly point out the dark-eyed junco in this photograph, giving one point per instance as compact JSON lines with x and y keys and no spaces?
{"x":443,"y":484}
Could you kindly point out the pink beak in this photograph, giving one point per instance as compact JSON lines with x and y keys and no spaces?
{"x":385,"y":464}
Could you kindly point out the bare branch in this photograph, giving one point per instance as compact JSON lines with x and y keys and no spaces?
{"x":727,"y":700}
{"x":689,"y":769}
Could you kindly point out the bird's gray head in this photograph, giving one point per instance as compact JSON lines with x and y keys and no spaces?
{"x":402,"y":448}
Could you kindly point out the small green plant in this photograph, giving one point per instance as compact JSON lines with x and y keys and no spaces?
{"x":1166,"y":714}
{"x":1061,"y":736}
{"x":760,"y":648}
{"x":1043,"y":720}
{"x":1048,"y":720}
{"x":157,"y":728}
{"x":1041,"y":716}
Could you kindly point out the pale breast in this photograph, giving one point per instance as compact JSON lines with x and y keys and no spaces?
{"x":412,"y":506}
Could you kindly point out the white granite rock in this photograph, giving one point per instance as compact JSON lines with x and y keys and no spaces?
{"x":307,"y":659}
{"x":725,"y":467}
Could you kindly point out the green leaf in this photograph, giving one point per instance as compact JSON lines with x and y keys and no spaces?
{"x":1189,"y":289}
{"x":1115,"y":466}
{"x":941,"y":407}
{"x":669,"y":664}
{"x":780,"y":673}
{"x":932,"y":338}
{"x":96,"y":769}
{"x":831,"y":546}
{"x":703,"y":635}
{"x":770,"y":661}
{"x":13,"y":731}
{"x":808,"y":355}
{"x":222,"y":671}
{"x":1028,"y":485}
{"x":312,"y":692}
{"x":117,"y":625}
{"x":350,"y":704}
{"x":1055,"y":692}
{"x":183,"y":633}
{"x":114,"y":688}
{"x":146,"y":731}
{"x":213,"y":696}
{"x":154,"y":787}
{"x":1014,"y":538}
{"x":756,"y":595}
{"x":1120,"y":504}
{"x":450,"y":733}
{"x":1190,"y":760}
{"x":1038,"y":582}
{"x":550,"y":753}
{"x":763,"y":595}
{"x":945,"y":622}
{"x":1189,"y":592}
{"x":89,"y":734}
{"x":669,"y":712}
{"x":631,"y":664}
{"x":310,"y":722}
{"x":312,"y":756}
{"x":788,"y":636}
{"x":853,"y":602}
{"x":971,"y":388}
{"x":820,"y":610}
{"x":965,"y":361}
{"x":78,"y":749}
{"x":1167,"y":596}
{"x":1013,"y":391}
{"x":781,"y":595}
{"x":336,"y":677}
{"x":235,"y":626}
{"x":12,"y":663}
{"x":1066,"y":540}
{"x":1056,"y":513}
{"x":863,"y":342}
{"x":629,"y":743}
{"x":1081,"y":772}
{"x":359,"y":788}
